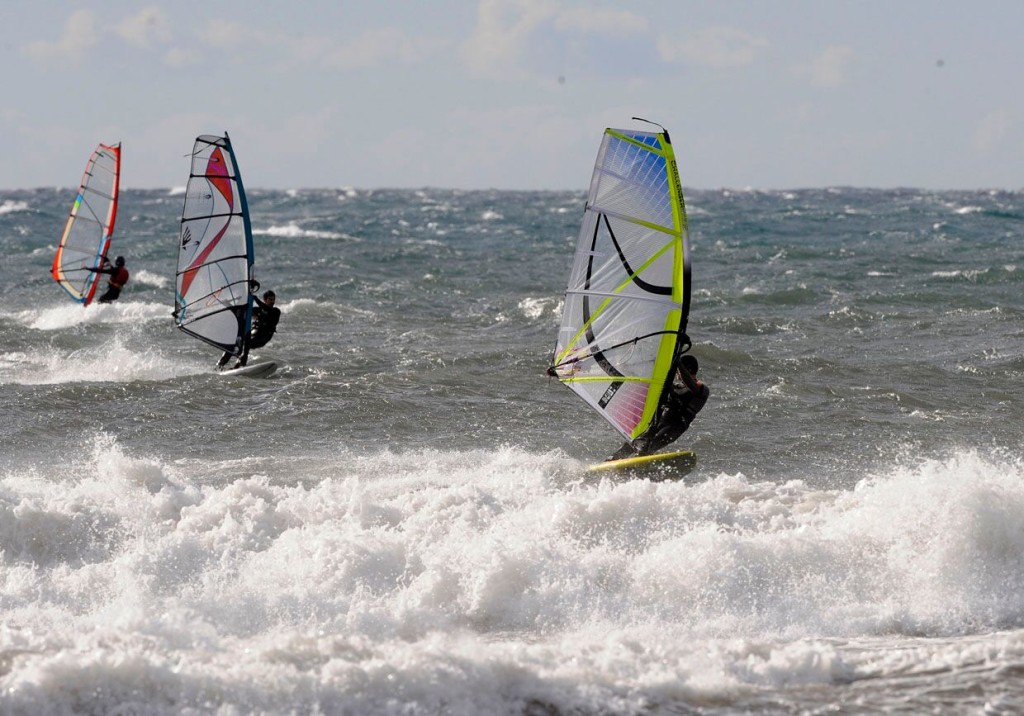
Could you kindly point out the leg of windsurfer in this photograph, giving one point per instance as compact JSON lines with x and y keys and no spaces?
{"x":679,"y":407}
{"x":264,"y":323}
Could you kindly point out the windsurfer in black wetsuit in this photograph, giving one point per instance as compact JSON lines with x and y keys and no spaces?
{"x":682,"y":401}
{"x":264,"y":322}
{"x":118,"y":278}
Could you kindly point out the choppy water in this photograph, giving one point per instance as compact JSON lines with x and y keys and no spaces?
{"x":398,"y":521}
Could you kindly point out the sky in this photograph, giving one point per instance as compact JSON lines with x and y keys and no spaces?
{"x":514,"y":94}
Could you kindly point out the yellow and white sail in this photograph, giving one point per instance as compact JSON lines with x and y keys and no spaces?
{"x":628,"y":297}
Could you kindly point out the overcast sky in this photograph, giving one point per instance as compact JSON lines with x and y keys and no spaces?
{"x":514,"y":94}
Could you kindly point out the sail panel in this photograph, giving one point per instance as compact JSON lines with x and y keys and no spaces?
{"x":90,"y":225}
{"x":628,"y":293}
{"x":215,"y":253}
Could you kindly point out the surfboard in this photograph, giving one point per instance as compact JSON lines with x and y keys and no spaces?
{"x":662,"y":462}
{"x":256,"y":370}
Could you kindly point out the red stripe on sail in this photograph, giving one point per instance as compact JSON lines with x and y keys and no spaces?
{"x":217,"y":174}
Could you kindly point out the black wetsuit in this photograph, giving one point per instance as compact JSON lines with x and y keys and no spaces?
{"x":683,"y":400}
{"x":264,"y":324}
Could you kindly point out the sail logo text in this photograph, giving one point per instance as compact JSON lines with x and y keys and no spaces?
{"x":609,"y":394}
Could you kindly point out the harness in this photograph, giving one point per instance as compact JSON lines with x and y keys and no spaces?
{"x":119,"y":279}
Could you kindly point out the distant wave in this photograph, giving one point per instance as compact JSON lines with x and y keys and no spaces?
{"x":109,"y":362}
{"x":310,"y":307}
{"x":71,"y":314}
{"x":10,"y":206}
{"x":538,"y":307}
{"x":152,"y":279}
{"x":293,"y":231}
{"x":970,"y":274}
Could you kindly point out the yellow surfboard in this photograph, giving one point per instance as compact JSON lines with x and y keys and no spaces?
{"x":680,"y":460}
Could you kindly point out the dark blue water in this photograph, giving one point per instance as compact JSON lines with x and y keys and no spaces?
{"x":399,"y":518}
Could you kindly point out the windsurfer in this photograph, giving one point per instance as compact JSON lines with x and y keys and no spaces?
{"x":680,"y":405}
{"x":264,"y":322}
{"x":118,"y":278}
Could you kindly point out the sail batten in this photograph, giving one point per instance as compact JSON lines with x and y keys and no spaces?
{"x":90,"y":225}
{"x":627,"y":299}
{"x":213,"y":302}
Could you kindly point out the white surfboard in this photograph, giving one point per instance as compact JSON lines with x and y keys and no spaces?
{"x":256,"y":370}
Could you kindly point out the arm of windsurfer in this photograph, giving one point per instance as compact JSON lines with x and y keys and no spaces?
{"x":105,"y":267}
{"x":690,"y":385}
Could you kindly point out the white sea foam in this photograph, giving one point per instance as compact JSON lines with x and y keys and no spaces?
{"x":151,"y":279}
{"x":537,"y":307}
{"x":70,"y":314}
{"x":9,"y":206}
{"x":293,"y":231}
{"x":116,"y":361}
{"x":969,"y":274}
{"x":474,"y":578}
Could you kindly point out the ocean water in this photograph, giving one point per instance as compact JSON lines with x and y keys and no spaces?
{"x":399,"y":522}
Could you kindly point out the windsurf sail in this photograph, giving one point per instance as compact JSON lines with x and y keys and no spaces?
{"x":90,"y":225}
{"x":628,"y":297}
{"x":213,"y":301}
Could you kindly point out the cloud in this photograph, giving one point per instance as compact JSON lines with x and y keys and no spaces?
{"x":992,"y":129}
{"x":713,"y":47}
{"x":372,"y":48}
{"x":227,"y":35}
{"x":80,"y":34}
{"x":380,"y":46}
{"x":511,"y":35}
{"x":502,"y":34}
{"x":148,"y":27}
{"x":509,"y":147}
{"x":599,"y":21}
{"x":180,"y":57}
{"x":829,"y":68}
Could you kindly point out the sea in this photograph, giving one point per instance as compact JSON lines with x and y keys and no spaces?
{"x":400,"y":520}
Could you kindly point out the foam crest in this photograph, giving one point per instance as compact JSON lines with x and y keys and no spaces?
{"x":151,"y":279}
{"x":479,"y":576}
{"x":538,"y":307}
{"x":113,"y":361}
{"x":69,"y":314}
{"x":10,"y":206}
{"x":294,"y":231}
